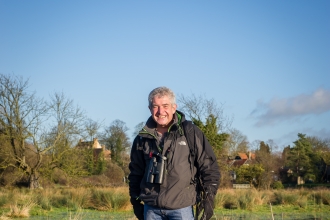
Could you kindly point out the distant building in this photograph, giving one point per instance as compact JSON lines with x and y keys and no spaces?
{"x":241,"y":159}
{"x":97,"y":148}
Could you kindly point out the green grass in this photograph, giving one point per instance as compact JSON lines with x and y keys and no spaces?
{"x":65,"y":214}
{"x":279,"y":212}
{"x":113,"y":203}
{"x":260,"y":213}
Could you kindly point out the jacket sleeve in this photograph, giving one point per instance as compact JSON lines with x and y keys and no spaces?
{"x":207,"y":165}
{"x":136,"y":167}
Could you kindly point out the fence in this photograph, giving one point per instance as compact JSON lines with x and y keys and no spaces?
{"x":241,"y":186}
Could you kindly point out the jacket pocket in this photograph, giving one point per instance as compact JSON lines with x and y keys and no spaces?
{"x":150,"y":198}
{"x":188,"y":196}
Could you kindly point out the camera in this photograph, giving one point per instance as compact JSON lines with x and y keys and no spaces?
{"x":156,"y":169}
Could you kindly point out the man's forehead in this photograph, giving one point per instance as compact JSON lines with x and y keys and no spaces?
{"x":163,"y":98}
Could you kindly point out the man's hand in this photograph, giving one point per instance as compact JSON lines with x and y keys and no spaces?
{"x":208,"y":205}
{"x":138,"y":208}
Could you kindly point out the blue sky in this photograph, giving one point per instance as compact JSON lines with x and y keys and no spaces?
{"x":267,"y":62}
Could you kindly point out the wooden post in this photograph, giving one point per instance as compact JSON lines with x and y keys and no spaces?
{"x":271,"y":210}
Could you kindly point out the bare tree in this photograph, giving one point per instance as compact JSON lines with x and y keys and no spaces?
{"x":210,"y":118}
{"x":66,"y":122}
{"x":319,"y":144}
{"x":138,"y":128}
{"x":92,"y":128}
{"x":21,"y":115}
{"x":32,"y":129}
{"x":236,"y":143}
{"x":270,"y":160}
{"x":200,"y":108}
{"x":254,"y":145}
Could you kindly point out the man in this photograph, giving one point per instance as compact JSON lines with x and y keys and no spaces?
{"x":162,"y":176}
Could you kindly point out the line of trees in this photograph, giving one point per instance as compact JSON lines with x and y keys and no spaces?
{"x":38,"y":139}
{"x":308,"y":159}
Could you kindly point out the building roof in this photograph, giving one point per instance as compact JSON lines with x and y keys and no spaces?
{"x":241,"y":159}
{"x":238,"y":163}
{"x":243,"y":156}
{"x":96,"y":146}
{"x":89,"y":144}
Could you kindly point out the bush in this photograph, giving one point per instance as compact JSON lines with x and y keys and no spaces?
{"x":288,"y":198}
{"x":43,"y":202}
{"x":20,"y":211}
{"x":3,"y":199}
{"x":246,"y":201}
{"x":230,"y":199}
{"x":110,"y":199}
{"x":322,"y":197}
{"x":277,"y":185}
{"x":115,"y":174}
{"x":59,"y":177}
{"x":219,"y":200}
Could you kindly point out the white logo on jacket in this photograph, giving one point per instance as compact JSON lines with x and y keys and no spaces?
{"x":182,"y":143}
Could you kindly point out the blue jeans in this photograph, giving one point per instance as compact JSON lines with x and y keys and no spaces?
{"x":155,"y":213}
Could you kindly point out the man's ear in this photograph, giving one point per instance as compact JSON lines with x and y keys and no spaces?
{"x":174,"y":107}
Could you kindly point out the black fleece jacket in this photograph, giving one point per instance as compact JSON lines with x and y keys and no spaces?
{"x":178,"y":189}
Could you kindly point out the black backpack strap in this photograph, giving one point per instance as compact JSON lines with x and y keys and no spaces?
{"x":189,"y":132}
{"x":141,"y":142}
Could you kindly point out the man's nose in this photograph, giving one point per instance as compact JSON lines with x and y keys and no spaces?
{"x":160,"y":110}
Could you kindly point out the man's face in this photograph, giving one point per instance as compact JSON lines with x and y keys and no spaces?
{"x":162,"y":110}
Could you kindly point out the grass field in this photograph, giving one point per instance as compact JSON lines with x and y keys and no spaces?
{"x":113,"y":203}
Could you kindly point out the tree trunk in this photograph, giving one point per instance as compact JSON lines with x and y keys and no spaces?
{"x":34,"y":180}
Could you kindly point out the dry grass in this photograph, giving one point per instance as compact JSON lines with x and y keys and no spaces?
{"x":20,"y":211}
{"x":110,"y":199}
{"x":20,"y":202}
{"x":321,"y":196}
{"x":241,"y":198}
{"x":78,"y":215}
{"x":249,"y":199}
{"x":291,"y":197}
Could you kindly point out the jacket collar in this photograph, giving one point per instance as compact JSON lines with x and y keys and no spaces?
{"x":151,"y":125}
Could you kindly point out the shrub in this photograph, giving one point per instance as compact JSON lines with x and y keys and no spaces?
{"x":97,"y":181}
{"x":115,"y":174}
{"x":59,"y":177}
{"x":80,"y":197}
{"x":326,"y":197}
{"x":219,"y":200}
{"x":20,"y":211}
{"x":230,"y":200}
{"x":43,"y":201}
{"x":101,"y":199}
{"x":285,"y":197}
{"x":3,"y":199}
{"x":302,"y":201}
{"x":110,"y":199}
{"x":59,"y":198}
{"x":230,"y":203}
{"x":322,"y":197}
{"x":246,"y":201}
{"x":262,"y":197}
{"x":277,"y":185}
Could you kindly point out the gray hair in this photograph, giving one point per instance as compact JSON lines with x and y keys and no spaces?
{"x":160,"y":92}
